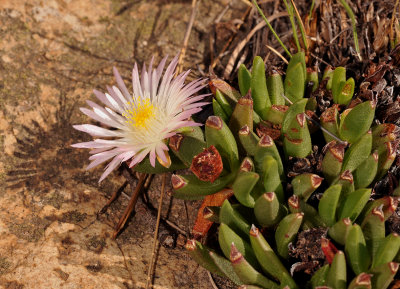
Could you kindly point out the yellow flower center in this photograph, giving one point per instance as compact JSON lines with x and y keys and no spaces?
{"x":139,"y":113}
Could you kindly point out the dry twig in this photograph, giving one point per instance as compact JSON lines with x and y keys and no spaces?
{"x":155,"y":241}
{"x":187,"y":35}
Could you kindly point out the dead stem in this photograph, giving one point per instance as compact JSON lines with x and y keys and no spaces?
{"x":277,"y":53}
{"x":212,"y":280}
{"x":155,"y":241}
{"x":187,"y":35}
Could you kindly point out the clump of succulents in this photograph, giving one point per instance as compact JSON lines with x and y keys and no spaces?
{"x":266,"y":207}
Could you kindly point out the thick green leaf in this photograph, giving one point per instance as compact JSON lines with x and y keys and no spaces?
{"x":355,"y":122}
{"x":356,"y":250}
{"x":328,"y":204}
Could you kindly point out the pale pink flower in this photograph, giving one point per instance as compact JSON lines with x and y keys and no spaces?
{"x":141,"y":122}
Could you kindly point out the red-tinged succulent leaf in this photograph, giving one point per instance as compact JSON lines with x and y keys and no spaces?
{"x":329,"y":249}
{"x":201,"y":225}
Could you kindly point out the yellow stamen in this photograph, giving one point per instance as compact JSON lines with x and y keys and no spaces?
{"x":139,"y":114}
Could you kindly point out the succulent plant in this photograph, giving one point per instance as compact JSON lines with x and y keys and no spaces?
{"x":267,"y":208}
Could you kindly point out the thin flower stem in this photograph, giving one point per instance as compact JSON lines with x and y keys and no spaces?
{"x":270,"y":28}
{"x":187,"y":35}
{"x":301,"y":25}
{"x":155,"y":241}
{"x":289,"y":9}
{"x":353,"y":25}
{"x":311,"y":8}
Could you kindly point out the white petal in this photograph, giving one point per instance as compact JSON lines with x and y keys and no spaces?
{"x":121,"y":83}
{"x":97,"y":131}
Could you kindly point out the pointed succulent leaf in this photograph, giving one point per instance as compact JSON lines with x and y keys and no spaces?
{"x":266,"y":147}
{"x":269,"y":261}
{"x":366,"y":172}
{"x":294,"y":83}
{"x":382,"y":133}
{"x":387,"y":250}
{"x":329,"y":120}
{"x":357,"y":153}
{"x":294,"y":204}
{"x":346,"y":91}
{"x":328,"y":74}
{"x":275,"y":88}
{"x":356,"y":250}
{"x":186,"y":147}
{"x":246,"y":272}
{"x":258,"y":87}
{"x":337,"y":275}
{"x":355,"y":122}
{"x":227,"y":236}
{"x":338,"y":78}
{"x":333,"y":160}
{"x":231,"y":94}
{"x":243,"y":186}
{"x":347,"y":181}
{"x":329,"y":249}
{"x":249,"y":140}
{"x":294,"y":109}
{"x":373,"y":227}
{"x":311,"y":216}
{"x":312,"y":76}
{"x":295,"y":79}
{"x":340,"y":230}
{"x":189,"y":187}
{"x":270,"y":177}
{"x":225,"y":267}
{"x":192,"y":131}
{"x":297,"y":139}
{"x":328,"y":204}
{"x":268,"y":210}
{"x":305,"y":184}
{"x":242,"y":114}
{"x":211,"y":213}
{"x":387,"y":203}
{"x":229,"y":216}
{"x":218,"y":111}
{"x":201,"y":254}
{"x":276,"y":113}
{"x":286,"y":233}
{"x":219,"y":135}
{"x":354,"y":204}
{"x":223,"y":102}
{"x":319,"y":277}
{"x":387,"y":155}
{"x":244,"y":78}
{"x":202,"y":224}
{"x":383,"y":275}
{"x":361,"y":281}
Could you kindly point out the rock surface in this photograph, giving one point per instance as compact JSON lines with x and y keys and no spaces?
{"x":52,"y":55}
